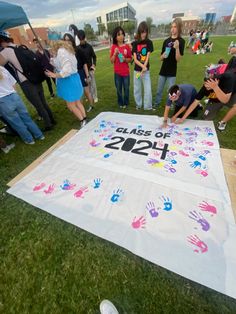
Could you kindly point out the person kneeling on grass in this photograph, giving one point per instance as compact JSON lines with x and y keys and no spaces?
{"x":221,"y":91}
{"x":69,"y":86}
{"x":182,"y":97}
{"x":13,"y":110}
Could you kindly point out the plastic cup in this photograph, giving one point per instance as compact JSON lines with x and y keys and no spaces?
{"x":121,"y":57}
{"x":167,"y":52}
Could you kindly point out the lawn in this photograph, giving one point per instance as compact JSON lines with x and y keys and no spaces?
{"x":50,"y":266}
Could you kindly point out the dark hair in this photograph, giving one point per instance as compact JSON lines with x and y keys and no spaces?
{"x":115,"y":32}
{"x":179,"y":25}
{"x":74,"y":28}
{"x":4,"y":39}
{"x":71,"y":39}
{"x":174,"y":89}
{"x":81,"y":34}
{"x":143,"y":27}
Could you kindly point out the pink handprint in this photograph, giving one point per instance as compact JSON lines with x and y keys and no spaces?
{"x":139,"y":223}
{"x":203,"y":248}
{"x":93,"y":143}
{"x":80,"y":192}
{"x":207,"y":207}
{"x":178,"y":142}
{"x":207,"y":143}
{"x":50,"y":189}
{"x":39,"y":187}
{"x":202,"y":172}
{"x":200,"y":219}
{"x":182,"y":153}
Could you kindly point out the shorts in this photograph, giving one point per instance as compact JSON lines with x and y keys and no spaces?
{"x":213,"y":108}
{"x":83,"y":77}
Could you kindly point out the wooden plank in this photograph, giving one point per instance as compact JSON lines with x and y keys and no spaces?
{"x":229,"y":163}
{"x":35,"y":163}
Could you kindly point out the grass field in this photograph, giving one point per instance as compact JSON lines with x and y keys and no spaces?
{"x":50,"y":266}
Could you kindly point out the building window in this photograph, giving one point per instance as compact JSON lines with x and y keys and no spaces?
{"x":116,"y":15}
{"x":126,"y":12}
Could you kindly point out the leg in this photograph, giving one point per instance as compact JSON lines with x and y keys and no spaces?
{"x":75,"y":110}
{"x":137,"y":91}
{"x":171,"y":81}
{"x":80,"y":106}
{"x":147,"y":90}
{"x":92,"y":86}
{"x":118,"y":84}
{"x":88,"y":96}
{"x":160,"y":88}
{"x":44,"y":102}
{"x":126,"y":81}
{"x":211,"y":110}
{"x":230,"y":114}
{"x":49,"y":84}
{"x":31,"y":92}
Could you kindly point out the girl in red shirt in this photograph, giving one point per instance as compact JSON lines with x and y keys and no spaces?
{"x":120,"y":56}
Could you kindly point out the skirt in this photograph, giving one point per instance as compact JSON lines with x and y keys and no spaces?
{"x":70,"y":88}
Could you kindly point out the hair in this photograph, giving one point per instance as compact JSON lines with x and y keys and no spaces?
{"x":81,"y":34}
{"x":56,"y":45}
{"x":1,"y":73}
{"x":73,"y":28}
{"x":143,"y":27}
{"x":179,"y":25}
{"x":4,"y":39}
{"x":115,"y":32}
{"x":71,"y":40}
{"x":174,"y":89}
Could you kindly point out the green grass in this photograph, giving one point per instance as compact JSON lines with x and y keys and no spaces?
{"x":50,"y":266}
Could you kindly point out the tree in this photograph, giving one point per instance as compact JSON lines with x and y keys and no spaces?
{"x":89,"y":32}
{"x":101,"y":28}
{"x":149,"y":21}
{"x":129,"y":27}
{"x":111,"y":26}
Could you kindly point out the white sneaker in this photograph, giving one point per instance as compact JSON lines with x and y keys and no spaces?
{"x":106,"y":307}
{"x":90,"y":108}
{"x":8,"y":148}
{"x":30,"y":143}
{"x":83,"y":123}
{"x":221,"y":125}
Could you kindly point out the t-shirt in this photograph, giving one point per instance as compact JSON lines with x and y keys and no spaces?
{"x":227,"y":83}
{"x":7,"y":83}
{"x":89,"y":54}
{"x":187,"y":96}
{"x":81,"y":58}
{"x":121,"y":68}
{"x":169,"y":64}
{"x":141,"y":48}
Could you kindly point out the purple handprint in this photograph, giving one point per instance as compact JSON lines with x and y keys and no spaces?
{"x":50,"y":189}
{"x":93,"y":143}
{"x":200,"y":219}
{"x":80,"y":192}
{"x":207,"y":207}
{"x":67,"y":185}
{"x":138,"y":223}
{"x":193,"y":239}
{"x":195,"y":164}
{"x":152,"y":209}
{"x":39,"y":187}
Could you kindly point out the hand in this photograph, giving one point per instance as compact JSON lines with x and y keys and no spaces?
{"x":164,"y":125}
{"x":176,"y":44}
{"x":144,"y":68}
{"x":116,"y":51}
{"x":211,"y":84}
{"x":173,"y":119}
{"x":164,"y":55}
{"x":179,"y":121}
{"x":50,"y":74}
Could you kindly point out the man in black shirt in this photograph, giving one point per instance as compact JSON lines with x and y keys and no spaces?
{"x":172,"y":50}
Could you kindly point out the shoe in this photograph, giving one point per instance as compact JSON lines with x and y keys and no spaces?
{"x":83,"y":123}
{"x":30,"y":143}
{"x":138,"y":108}
{"x":54,"y":122}
{"x":90,"y":108}
{"x":154,"y":109}
{"x":147,"y":109}
{"x":106,"y":307}
{"x":47,"y":128}
{"x":41,"y":138}
{"x":8,"y":148}
{"x":39,"y":118}
{"x":221,"y":125}
{"x":3,"y":130}
{"x":52,"y":95}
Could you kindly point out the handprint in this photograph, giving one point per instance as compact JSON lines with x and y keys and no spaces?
{"x":178,"y":142}
{"x":197,"y":128}
{"x":182,"y":153}
{"x":117,"y":196}
{"x":67,"y":185}
{"x":207,"y":143}
{"x":195,"y":164}
{"x":107,"y":155}
{"x":152,"y":209}
{"x":97,"y":183}
{"x":200,"y":157}
{"x":167,"y":203}
{"x":193,"y":239}
{"x":202,"y":172}
{"x":200,"y":219}
{"x":39,"y":187}
{"x":138,"y":223}
{"x":207,"y":207}
{"x":50,"y":189}
{"x":107,"y":138}
{"x":170,"y":169}
{"x":93,"y":143}
{"x":80,"y":192}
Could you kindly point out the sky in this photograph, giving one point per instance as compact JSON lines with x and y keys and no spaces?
{"x":58,"y":14}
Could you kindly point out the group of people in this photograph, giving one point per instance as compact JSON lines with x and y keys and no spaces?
{"x":70,"y":67}
{"x":220,"y":90}
{"x":199,"y":41}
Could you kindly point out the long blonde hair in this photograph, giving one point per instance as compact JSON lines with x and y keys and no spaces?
{"x":1,"y":73}
{"x":56,"y":45}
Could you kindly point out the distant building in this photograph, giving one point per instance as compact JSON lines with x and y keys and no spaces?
{"x":42,"y":33}
{"x":189,"y":23}
{"x":123,"y":12}
{"x":175,"y":15}
{"x":226,"y":19}
{"x":210,"y":18}
{"x":19,"y":35}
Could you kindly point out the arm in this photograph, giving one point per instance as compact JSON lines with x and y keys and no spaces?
{"x":181,"y":110}
{"x":193,"y":105}
{"x":213,"y":84}
{"x":113,"y":54}
{"x":94,"y":57}
{"x":85,"y":66}
{"x":139,"y":63}
{"x":3,"y":61}
{"x":177,"y":51}
{"x":166,"y":113}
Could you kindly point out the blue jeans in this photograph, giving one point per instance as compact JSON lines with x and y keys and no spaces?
{"x":161,"y":84}
{"x":122,"y":82}
{"x":15,"y":113}
{"x":146,"y":81}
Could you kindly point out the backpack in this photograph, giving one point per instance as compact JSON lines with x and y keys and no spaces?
{"x":30,"y":63}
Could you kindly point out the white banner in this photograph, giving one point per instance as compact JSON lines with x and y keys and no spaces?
{"x":160,"y":193}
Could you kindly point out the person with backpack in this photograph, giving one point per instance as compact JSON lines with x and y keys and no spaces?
{"x":30,"y":76}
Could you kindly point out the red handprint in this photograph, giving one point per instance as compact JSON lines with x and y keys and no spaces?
{"x":139,"y":223}
{"x":39,"y":187}
{"x":80,"y":192}
{"x":197,"y":242}
{"x":207,"y":207}
{"x":50,"y":189}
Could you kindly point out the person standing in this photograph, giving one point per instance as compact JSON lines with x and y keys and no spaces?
{"x":172,"y":50}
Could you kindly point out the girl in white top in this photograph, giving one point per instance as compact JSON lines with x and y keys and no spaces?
{"x":68,"y":81}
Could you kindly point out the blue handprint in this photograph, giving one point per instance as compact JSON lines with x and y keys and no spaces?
{"x":97,"y":183}
{"x":199,"y":156}
{"x":102,"y":124}
{"x":107,"y":155}
{"x":195,"y":164}
{"x":117,"y":195}
{"x":167,"y":203}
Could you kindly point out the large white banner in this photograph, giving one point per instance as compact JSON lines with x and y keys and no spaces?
{"x":160,"y":193}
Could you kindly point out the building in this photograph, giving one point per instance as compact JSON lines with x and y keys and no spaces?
{"x":123,"y":12}
{"x":226,"y":19}
{"x":175,"y":15}
{"x":189,"y":22}
{"x":210,"y":18}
